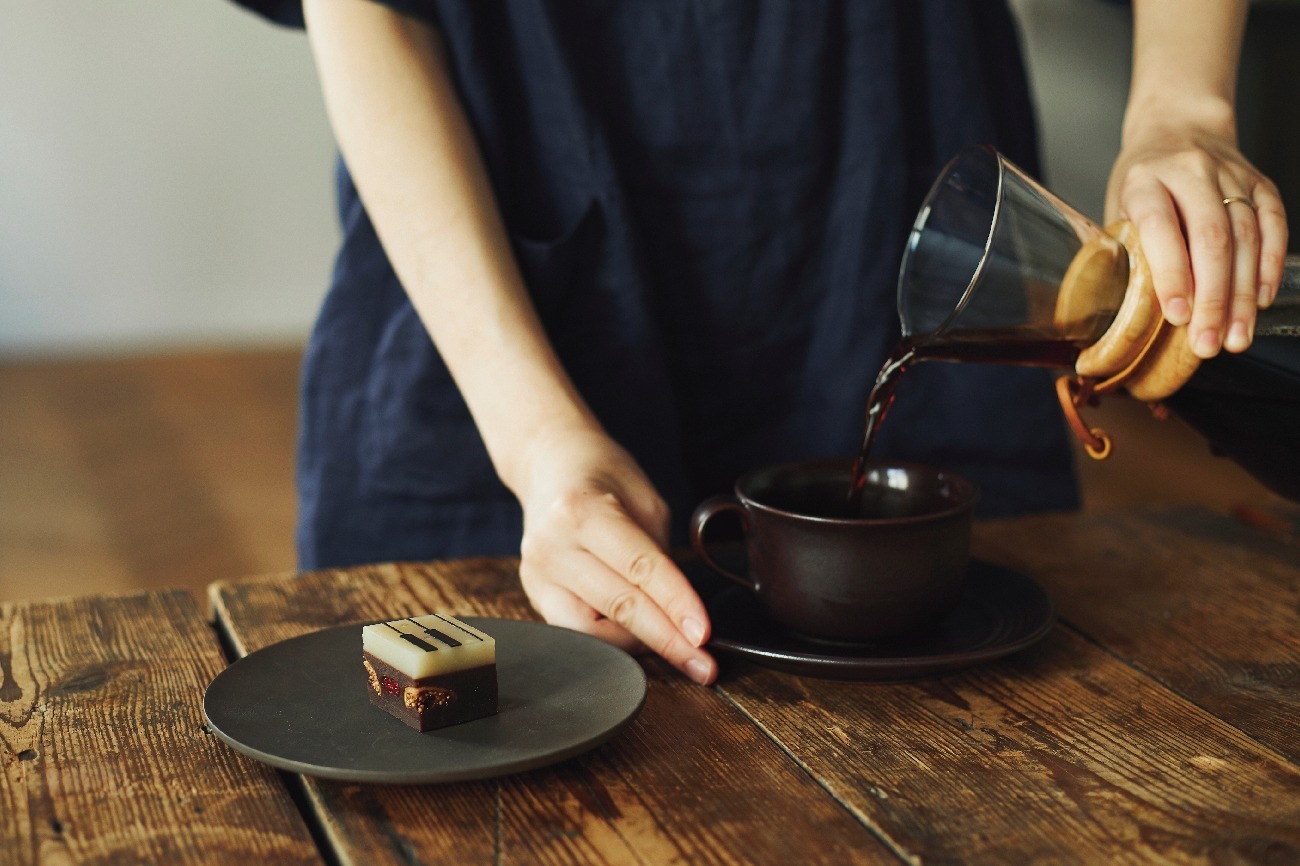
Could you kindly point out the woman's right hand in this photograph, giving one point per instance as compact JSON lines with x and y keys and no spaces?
{"x":593,"y":555}
{"x":594,"y":527}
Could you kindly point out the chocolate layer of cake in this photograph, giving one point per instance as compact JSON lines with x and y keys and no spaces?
{"x":433,"y":702}
{"x":431,"y":671}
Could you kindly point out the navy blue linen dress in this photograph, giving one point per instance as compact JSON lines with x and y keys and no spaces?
{"x":708,"y":200}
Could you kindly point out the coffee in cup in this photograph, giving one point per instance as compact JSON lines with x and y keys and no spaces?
{"x":831,"y":569}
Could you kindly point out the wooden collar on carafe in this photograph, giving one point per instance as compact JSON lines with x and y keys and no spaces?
{"x":1139,"y":352}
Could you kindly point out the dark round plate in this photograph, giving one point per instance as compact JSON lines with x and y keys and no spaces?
{"x":303,"y":705}
{"x":1000,"y":612}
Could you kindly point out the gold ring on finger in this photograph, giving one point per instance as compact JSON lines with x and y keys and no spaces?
{"x":1239,"y":198}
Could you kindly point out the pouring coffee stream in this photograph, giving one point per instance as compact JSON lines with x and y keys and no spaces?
{"x":999,"y":270}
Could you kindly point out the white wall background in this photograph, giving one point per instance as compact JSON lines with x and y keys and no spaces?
{"x":165,"y":177}
{"x":166,"y":167}
{"x":1079,"y":54}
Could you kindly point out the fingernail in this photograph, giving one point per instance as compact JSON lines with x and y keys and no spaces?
{"x":699,"y":671}
{"x":1238,"y":337}
{"x":1207,"y":344}
{"x":694,"y":631}
{"x":1265,"y":295}
{"x":1178,"y":312}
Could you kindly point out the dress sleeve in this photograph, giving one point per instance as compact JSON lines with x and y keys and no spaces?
{"x":289,"y":12}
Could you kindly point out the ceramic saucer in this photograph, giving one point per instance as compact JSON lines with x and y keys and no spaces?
{"x":1000,"y":612}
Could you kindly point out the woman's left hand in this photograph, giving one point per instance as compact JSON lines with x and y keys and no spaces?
{"x":1212,"y":227}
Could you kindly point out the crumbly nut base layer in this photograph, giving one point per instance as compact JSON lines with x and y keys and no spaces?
{"x":432,"y":702}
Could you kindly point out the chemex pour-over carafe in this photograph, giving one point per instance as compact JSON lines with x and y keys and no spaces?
{"x":998,"y":269}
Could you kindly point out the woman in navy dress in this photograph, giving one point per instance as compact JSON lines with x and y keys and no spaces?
{"x":601,"y":257}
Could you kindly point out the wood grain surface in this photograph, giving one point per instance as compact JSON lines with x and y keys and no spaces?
{"x":690,"y":781}
{"x":1206,"y":605}
{"x":1074,"y":751}
{"x":105,"y":755}
{"x":1164,"y":731}
{"x":1062,"y":754}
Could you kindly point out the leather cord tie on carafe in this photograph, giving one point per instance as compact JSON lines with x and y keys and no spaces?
{"x":1140,"y":352}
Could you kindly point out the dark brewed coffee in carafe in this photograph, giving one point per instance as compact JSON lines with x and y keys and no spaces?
{"x":997,"y":269}
{"x":989,"y":346}
{"x":1247,"y":405}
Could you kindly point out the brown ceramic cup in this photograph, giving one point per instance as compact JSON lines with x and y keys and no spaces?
{"x":895,"y":565}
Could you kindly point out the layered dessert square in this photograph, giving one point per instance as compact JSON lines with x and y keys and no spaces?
{"x":430,"y":671}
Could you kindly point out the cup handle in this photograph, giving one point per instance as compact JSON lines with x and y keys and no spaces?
{"x":706,"y":511}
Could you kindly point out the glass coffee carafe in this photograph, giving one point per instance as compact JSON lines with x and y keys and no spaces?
{"x":999,"y":270}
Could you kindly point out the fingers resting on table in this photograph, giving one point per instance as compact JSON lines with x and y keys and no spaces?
{"x":593,"y":559}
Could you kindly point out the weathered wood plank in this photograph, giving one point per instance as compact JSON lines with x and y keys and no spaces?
{"x":1062,"y":754}
{"x":105,"y":755}
{"x":691,"y":781}
{"x":1070,"y":752}
{"x":1206,"y":605}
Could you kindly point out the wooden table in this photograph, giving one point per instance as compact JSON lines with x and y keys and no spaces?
{"x":1159,"y":722}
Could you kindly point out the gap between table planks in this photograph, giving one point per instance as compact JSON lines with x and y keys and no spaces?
{"x":106,"y":758}
{"x":690,"y":781}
